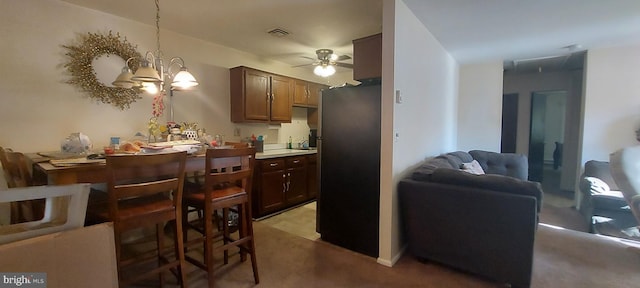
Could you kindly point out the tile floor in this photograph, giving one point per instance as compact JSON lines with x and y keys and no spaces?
{"x":300,"y":221}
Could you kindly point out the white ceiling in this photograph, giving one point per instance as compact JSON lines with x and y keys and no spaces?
{"x":471,"y":30}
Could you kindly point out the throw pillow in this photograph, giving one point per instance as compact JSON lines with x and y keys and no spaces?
{"x":472,"y":167}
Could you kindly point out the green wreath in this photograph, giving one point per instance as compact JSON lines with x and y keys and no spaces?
{"x":84,"y":76}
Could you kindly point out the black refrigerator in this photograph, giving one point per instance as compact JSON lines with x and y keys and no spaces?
{"x":349,"y":151}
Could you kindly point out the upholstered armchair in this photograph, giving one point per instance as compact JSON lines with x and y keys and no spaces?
{"x":600,"y":195}
{"x":625,"y":169}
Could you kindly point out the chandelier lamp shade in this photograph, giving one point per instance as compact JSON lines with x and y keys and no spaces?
{"x":152,"y":73}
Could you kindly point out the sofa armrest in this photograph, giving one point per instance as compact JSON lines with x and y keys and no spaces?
{"x":490,"y":182}
{"x":477,"y":230}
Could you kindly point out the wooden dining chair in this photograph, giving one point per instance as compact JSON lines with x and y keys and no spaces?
{"x":17,"y":174}
{"x":227,"y":185}
{"x":146,"y":191}
{"x":14,"y":165}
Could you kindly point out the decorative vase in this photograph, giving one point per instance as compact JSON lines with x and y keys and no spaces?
{"x":190,"y":134}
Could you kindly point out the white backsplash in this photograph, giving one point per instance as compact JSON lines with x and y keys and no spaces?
{"x":298,"y":129}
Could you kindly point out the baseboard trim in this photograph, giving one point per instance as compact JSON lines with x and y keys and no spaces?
{"x":394,"y":260}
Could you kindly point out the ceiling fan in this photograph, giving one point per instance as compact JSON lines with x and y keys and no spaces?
{"x":326,"y":62}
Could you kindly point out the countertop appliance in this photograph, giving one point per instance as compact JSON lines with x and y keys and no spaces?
{"x":349,"y":151}
{"x":313,"y":138}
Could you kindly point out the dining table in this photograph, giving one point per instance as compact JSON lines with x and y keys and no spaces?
{"x":52,"y":170}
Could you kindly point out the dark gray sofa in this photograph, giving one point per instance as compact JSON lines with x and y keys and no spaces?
{"x":483,"y":224}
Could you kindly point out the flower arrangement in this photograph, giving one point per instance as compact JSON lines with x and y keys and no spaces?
{"x":158,"y":104}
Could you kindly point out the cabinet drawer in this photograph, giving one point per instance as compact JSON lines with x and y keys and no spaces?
{"x":293,"y":162}
{"x":272,"y":165}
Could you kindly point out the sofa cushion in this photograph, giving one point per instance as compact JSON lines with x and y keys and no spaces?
{"x":424,"y":171}
{"x":489,"y":182}
{"x":457,"y":158}
{"x":509,"y":164}
{"x":472,"y":167}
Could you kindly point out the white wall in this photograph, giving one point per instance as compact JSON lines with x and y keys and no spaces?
{"x":415,"y":64}
{"x":612,"y":101}
{"x":480,"y":107}
{"x":39,"y":109}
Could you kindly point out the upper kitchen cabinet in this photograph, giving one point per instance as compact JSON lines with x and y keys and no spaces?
{"x":307,"y":94}
{"x":258,"y":96}
{"x":367,"y":57}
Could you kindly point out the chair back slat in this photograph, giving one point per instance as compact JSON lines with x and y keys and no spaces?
{"x":127,"y":191}
{"x":140,"y":176}
{"x":226,"y":167}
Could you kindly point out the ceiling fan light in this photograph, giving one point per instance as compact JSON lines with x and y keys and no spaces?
{"x":324,"y":70}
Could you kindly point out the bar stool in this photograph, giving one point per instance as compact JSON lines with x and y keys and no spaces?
{"x":146,"y":191}
{"x":228,"y":174}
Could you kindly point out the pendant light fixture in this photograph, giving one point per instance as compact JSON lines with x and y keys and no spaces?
{"x":152,"y":73}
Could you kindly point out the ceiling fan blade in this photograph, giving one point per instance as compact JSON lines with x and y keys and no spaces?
{"x":345,"y":65}
{"x":302,"y":65}
{"x":343,"y":57}
{"x":306,"y":57}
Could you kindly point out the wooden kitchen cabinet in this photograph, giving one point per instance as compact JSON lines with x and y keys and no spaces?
{"x":280,"y":183}
{"x":258,"y":96}
{"x":367,"y":57}
{"x":307,"y":94}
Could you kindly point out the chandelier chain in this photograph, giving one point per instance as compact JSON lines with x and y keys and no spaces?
{"x":158,"y":25}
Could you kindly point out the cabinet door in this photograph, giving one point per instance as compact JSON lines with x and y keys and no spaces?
{"x":281,"y":89}
{"x":314,"y":93}
{"x":272,"y":190}
{"x":297,"y":185}
{"x":257,"y":95}
{"x":300,"y":93}
{"x":367,"y":57}
{"x":296,"y":180}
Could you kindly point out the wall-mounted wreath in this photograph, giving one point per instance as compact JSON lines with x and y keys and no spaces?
{"x":84,"y":76}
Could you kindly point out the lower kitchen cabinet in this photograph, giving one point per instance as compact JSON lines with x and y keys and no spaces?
{"x":280,"y":183}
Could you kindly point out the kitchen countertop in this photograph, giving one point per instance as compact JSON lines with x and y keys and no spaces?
{"x":275,"y":153}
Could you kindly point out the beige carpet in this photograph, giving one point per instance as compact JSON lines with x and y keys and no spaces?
{"x":563,"y":258}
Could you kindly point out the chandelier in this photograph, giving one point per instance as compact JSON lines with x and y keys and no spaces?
{"x":152,"y":72}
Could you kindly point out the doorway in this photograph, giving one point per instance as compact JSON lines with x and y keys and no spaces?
{"x":509,"y":123}
{"x":546,"y":138}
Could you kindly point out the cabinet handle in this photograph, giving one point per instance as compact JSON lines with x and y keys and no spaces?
{"x":273,"y":96}
{"x":288,"y":181}
{"x":273,"y":164}
{"x":284,"y":185}
{"x":296,"y":161}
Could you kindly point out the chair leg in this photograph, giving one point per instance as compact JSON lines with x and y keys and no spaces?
{"x":242,"y":230}
{"x":247,"y":222}
{"x":160,"y":246}
{"x":179,"y":251}
{"x":208,"y":243}
{"x":225,"y":233}
{"x":117,"y":239}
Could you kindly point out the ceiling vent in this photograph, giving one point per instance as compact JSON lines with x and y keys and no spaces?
{"x":278,"y":32}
